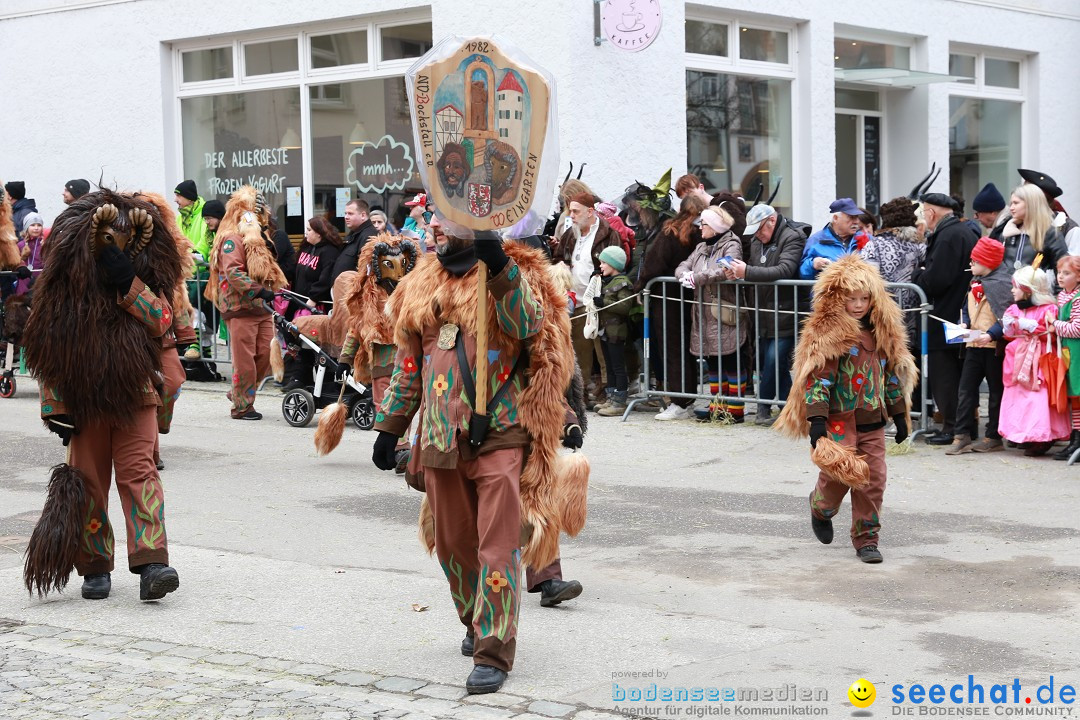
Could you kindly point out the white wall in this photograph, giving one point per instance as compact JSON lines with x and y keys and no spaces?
{"x":102,"y":107}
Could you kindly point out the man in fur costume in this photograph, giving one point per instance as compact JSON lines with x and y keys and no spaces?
{"x":489,"y":505}
{"x":853,"y":372}
{"x":94,"y":341}
{"x":243,"y":278}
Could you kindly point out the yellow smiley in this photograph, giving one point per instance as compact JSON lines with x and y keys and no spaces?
{"x":862,"y":693}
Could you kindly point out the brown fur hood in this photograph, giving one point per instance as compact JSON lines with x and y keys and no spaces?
{"x":553,"y":487}
{"x":368,"y":318}
{"x":181,"y":303}
{"x":241,"y":221}
{"x":830,"y":331}
{"x":9,"y":245}
{"x":329,"y":330}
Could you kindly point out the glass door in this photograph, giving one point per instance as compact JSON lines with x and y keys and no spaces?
{"x":859,"y":147}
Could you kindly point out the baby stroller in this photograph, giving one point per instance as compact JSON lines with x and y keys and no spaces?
{"x":14,"y":312}
{"x":323,"y":337}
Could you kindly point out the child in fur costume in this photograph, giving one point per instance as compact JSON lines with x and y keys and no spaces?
{"x":482,"y":491}
{"x":853,"y":372}
{"x":1026,"y":415}
{"x":244,"y":276}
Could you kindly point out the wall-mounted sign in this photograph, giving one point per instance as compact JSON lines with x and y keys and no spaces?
{"x":631,"y":24}
{"x":378,"y":167}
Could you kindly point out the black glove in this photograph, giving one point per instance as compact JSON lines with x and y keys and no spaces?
{"x":901,"y":427}
{"x":598,"y":302}
{"x":63,"y":426}
{"x":22,"y":272}
{"x":489,"y":249}
{"x":817,"y":430}
{"x":265,"y":294}
{"x":572,"y":437}
{"x":119,"y":272}
{"x":384,"y":455}
{"x":345,"y":362}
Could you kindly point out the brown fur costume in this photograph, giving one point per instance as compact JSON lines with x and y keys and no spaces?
{"x":329,"y":330}
{"x":179,"y":300}
{"x":553,"y":487}
{"x":828,"y":333}
{"x":262,"y":267}
{"x":9,"y":244}
{"x":79,"y":341}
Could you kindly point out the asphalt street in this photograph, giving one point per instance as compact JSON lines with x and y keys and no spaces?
{"x":303,"y":585}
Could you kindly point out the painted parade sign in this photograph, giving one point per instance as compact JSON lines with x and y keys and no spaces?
{"x":482,"y":119}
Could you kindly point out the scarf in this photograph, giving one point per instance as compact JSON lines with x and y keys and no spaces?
{"x":458,"y":262}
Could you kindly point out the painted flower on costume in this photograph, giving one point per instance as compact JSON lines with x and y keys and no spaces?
{"x":837,"y":427}
{"x":93,"y":526}
{"x":504,"y":374}
{"x":496,"y":581}
{"x":440,"y":386}
{"x":409,"y":365}
{"x":858,"y":381}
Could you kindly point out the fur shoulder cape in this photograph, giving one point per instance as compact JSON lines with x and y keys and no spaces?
{"x":98,"y":357}
{"x":368,"y":318}
{"x":178,"y":298}
{"x":830,"y":331}
{"x":9,"y":244}
{"x":243,"y":224}
{"x":553,"y":487}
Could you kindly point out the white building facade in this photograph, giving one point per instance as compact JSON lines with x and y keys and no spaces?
{"x":307,"y":100}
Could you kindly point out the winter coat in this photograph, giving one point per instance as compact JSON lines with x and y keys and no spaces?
{"x":768,"y":262}
{"x":1019,"y":251}
{"x":615,"y":311}
{"x":896,"y":252}
{"x":605,"y":237}
{"x":313,"y":273}
{"x":19,"y":210}
{"x":946,"y":275}
{"x":824,"y":243}
{"x":34,"y":259}
{"x":285,"y":253}
{"x":193,"y":225}
{"x":354,"y":243}
{"x":720,"y":337}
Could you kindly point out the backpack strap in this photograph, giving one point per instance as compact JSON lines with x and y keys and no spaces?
{"x":469,"y":384}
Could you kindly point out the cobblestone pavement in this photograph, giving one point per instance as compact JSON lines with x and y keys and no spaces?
{"x":47,"y":672}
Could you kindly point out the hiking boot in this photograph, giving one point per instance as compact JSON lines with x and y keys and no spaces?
{"x":764,"y":416}
{"x":157,"y":581}
{"x":468,"y":644}
{"x":1073,"y":446}
{"x":192,"y":353}
{"x":97,"y":586}
{"x":616,"y":407}
{"x":869,"y":554}
{"x":553,"y":592}
{"x":987,"y":445}
{"x":602,"y":402}
{"x":485,"y":679}
{"x":961,"y":444}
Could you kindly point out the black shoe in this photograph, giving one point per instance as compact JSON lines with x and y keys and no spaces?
{"x":294,"y":384}
{"x":157,"y":581}
{"x":553,"y":592}
{"x":402,"y":457}
{"x":1073,"y":446}
{"x":251,"y":414}
{"x":96,"y":587}
{"x":468,"y":644}
{"x":822,"y":528}
{"x":159,"y":464}
{"x":940,"y":439}
{"x":485,"y":679}
{"x":869,"y":554}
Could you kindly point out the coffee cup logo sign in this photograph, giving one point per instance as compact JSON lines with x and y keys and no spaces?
{"x":378,"y":167}
{"x":631,"y":24}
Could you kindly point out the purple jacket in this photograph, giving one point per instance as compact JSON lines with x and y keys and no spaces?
{"x":35,"y":260}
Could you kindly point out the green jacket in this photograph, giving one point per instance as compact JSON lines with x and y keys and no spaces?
{"x":615,"y":311}
{"x":194,"y":227}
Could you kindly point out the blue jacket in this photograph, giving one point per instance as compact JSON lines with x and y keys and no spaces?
{"x":823,"y":243}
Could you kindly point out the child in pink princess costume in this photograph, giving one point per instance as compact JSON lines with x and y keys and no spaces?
{"x":1026,"y":415}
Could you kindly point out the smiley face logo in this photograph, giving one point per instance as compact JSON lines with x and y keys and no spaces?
{"x":862,"y":693}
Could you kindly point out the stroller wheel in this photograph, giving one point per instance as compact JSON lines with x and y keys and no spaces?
{"x":298,"y":407}
{"x":7,"y":386}
{"x":363,"y":413}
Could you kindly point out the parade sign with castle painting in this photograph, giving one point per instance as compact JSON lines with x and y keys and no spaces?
{"x":481,"y":120}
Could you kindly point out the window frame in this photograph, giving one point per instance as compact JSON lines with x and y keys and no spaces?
{"x":979,"y":88}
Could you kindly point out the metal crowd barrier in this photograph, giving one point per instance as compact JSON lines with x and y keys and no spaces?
{"x":691,"y":375}
{"x":208,"y":324}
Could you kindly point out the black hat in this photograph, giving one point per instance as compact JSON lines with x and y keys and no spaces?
{"x":939,"y":199}
{"x":1042,"y":180}
{"x":988,"y":200}
{"x":188,"y":190}
{"x":16,"y":189}
{"x":214,"y":209}
{"x":77,"y":187}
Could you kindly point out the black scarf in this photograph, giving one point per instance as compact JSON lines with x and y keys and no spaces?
{"x":458,"y":262}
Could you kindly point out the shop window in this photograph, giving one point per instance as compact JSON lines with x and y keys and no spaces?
{"x":739,"y":133}
{"x":270,"y":58}
{"x":1002,"y":73}
{"x":707,"y":38}
{"x":363,"y":149}
{"x":858,"y":99}
{"x":245,"y":138}
{"x":963,"y":66}
{"x":402,"y":42}
{"x":849,"y":54}
{"x":763,"y":45}
{"x":984,"y":144}
{"x":348,"y":48}
{"x":203,"y":65}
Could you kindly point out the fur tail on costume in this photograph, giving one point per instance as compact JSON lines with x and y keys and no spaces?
{"x":331,"y":427}
{"x":277,"y":360}
{"x":54,"y":544}
{"x":573,"y":473}
{"x":426,"y":530}
{"x":841,"y":463}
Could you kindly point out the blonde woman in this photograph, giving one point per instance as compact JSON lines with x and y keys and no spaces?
{"x":1026,"y":228}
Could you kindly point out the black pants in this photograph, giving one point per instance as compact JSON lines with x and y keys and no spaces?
{"x":979,"y":363}
{"x":944,"y":367}
{"x":615,"y":357}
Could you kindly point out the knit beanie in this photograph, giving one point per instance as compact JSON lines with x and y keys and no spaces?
{"x":214,"y":209}
{"x":988,"y":200}
{"x":77,"y":187}
{"x":187,"y":190}
{"x":614,"y":256}
{"x":31,"y":219}
{"x":988,"y":252}
{"x":16,"y":189}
